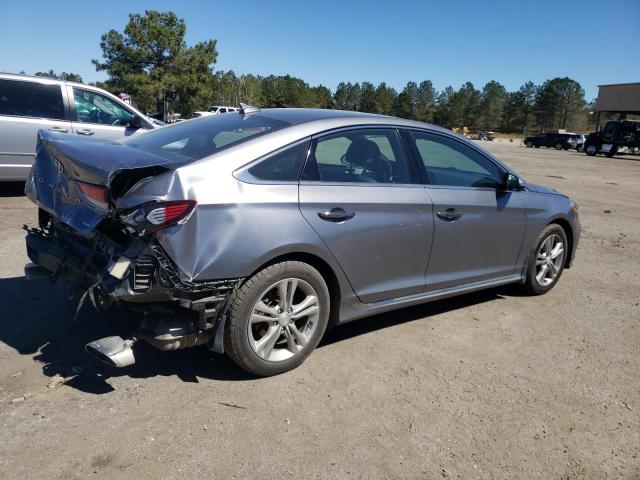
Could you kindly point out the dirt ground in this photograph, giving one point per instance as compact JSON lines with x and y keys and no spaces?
{"x":488,"y":385}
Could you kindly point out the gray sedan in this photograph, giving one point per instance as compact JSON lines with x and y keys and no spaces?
{"x":253,"y":232}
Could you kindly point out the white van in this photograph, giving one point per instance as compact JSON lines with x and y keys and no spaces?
{"x":28,"y":104}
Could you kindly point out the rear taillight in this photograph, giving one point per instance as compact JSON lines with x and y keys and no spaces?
{"x":95,"y":194}
{"x":158,"y":215}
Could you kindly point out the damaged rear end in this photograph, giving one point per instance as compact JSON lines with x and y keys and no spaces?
{"x":92,"y":234}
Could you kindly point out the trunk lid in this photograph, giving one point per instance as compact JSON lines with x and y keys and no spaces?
{"x":61,"y":160}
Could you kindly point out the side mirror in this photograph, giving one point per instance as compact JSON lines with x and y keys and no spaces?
{"x":135,"y":122}
{"x":511,"y":183}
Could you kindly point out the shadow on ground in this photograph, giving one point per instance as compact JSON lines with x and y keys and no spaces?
{"x":12,"y":189}
{"x":37,"y":320}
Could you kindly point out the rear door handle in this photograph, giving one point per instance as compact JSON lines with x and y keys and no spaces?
{"x":336,"y":215}
{"x":449,"y":215}
{"x":84,"y":131}
{"x":59,"y":129}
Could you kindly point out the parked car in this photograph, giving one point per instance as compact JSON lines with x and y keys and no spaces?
{"x":253,"y":232}
{"x":579,"y":141}
{"x":201,"y":114}
{"x":559,"y":141}
{"x":28,"y":104}
{"x":486,"y":136}
{"x":218,"y":109}
{"x":616,"y":135}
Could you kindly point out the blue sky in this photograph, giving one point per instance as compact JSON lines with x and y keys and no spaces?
{"x":331,"y":41}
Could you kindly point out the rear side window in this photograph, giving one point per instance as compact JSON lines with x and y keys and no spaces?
{"x":31,"y":99}
{"x":449,"y":162}
{"x":201,"y":137}
{"x":359,"y":156}
{"x":284,"y":166}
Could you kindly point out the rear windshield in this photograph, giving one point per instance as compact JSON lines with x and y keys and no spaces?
{"x":196,"y":139}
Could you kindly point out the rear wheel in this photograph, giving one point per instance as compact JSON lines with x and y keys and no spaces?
{"x":529,"y":144}
{"x":590,"y":150}
{"x":558,"y":146}
{"x":612,"y":151}
{"x":546,"y":260}
{"x":277,"y":318}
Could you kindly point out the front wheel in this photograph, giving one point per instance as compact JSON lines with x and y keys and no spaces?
{"x":558,"y":146}
{"x":546,"y":260}
{"x":590,"y":150}
{"x":529,"y":144}
{"x":277,"y":318}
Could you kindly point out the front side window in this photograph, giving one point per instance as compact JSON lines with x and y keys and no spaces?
{"x":92,"y":107}
{"x":449,"y":162}
{"x":283,"y":166}
{"x":359,"y":156}
{"x":193,"y":140}
{"x":31,"y":99}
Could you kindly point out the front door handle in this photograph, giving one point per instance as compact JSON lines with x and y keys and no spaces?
{"x":59,"y":129}
{"x":84,"y":131}
{"x":449,"y":215}
{"x":336,"y":215}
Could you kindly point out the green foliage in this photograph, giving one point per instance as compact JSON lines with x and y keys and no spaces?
{"x":557,"y":103}
{"x":151,"y":62}
{"x":68,"y":77}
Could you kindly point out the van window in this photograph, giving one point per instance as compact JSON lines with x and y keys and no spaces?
{"x":31,"y":99}
{"x":92,"y":107}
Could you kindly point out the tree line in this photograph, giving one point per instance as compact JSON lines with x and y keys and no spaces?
{"x":151,"y":61}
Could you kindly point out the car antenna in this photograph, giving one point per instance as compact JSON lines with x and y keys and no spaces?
{"x":247,"y":109}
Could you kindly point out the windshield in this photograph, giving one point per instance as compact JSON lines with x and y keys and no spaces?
{"x":196,"y":139}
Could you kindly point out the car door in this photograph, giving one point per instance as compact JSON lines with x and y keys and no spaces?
{"x":361,"y":194}
{"x":27,"y":106}
{"x":479,"y":227}
{"x":97,"y":115}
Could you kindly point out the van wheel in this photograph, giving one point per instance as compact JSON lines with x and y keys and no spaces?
{"x":590,"y":150}
{"x":277,"y":318}
{"x":529,"y":144}
{"x":546,"y":260}
{"x":558,"y":146}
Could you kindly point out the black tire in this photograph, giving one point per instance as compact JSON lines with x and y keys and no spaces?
{"x":612,"y":151}
{"x":531,"y":285}
{"x":236,"y":336}
{"x":590,"y":150}
{"x":529,"y":144}
{"x":558,"y":146}
{"x":537,"y":146}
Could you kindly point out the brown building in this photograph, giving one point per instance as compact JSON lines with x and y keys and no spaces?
{"x":622,"y":98}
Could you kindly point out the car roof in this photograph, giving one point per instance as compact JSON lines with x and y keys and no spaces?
{"x":337,"y":118}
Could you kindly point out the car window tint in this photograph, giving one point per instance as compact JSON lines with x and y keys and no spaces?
{"x":362,"y":156}
{"x":285,"y":165}
{"x":92,"y":107}
{"x":199,"y":138}
{"x":452,"y":163}
{"x":31,"y":99}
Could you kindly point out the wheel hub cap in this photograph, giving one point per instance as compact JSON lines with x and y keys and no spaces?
{"x":283,"y":320}
{"x":549,"y":260}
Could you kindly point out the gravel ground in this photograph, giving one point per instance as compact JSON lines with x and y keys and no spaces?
{"x":488,"y":385}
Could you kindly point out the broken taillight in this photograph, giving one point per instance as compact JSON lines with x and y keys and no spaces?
{"x":158,"y":215}
{"x":95,"y":194}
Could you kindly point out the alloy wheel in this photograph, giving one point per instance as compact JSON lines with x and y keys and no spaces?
{"x":283,"y":320}
{"x":549,"y":260}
